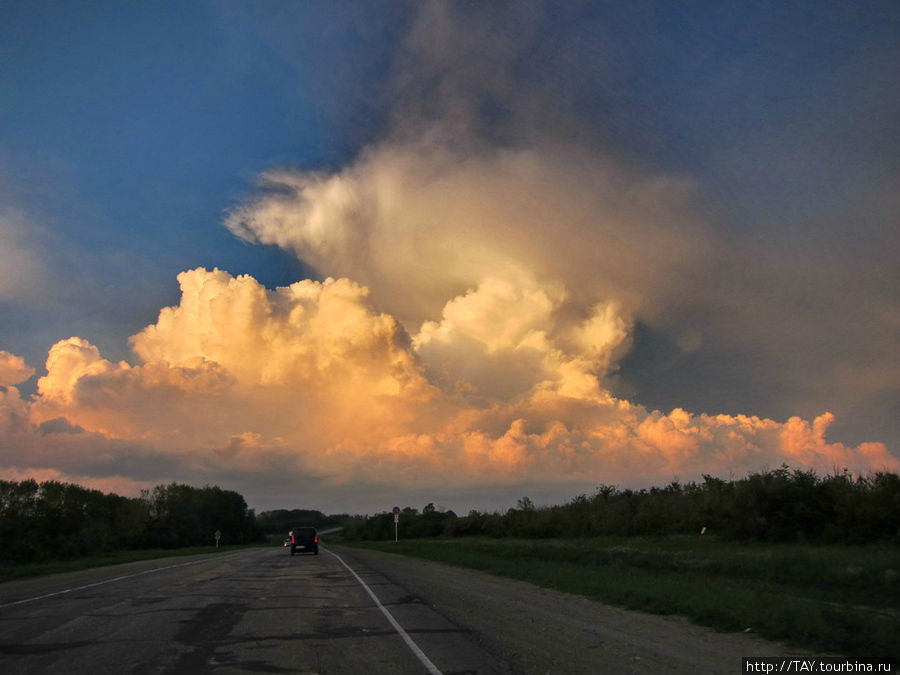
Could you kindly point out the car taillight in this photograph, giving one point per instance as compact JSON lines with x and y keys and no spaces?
{"x":316,"y":540}
{"x":293,"y":541}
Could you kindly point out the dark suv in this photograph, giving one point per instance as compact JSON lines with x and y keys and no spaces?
{"x":304,"y":540}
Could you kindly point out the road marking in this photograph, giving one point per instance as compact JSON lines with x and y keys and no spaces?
{"x":109,"y":581}
{"x":429,"y":666}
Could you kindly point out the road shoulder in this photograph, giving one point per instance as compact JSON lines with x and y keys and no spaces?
{"x":542,"y":630}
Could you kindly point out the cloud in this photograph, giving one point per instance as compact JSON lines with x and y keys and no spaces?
{"x":120,"y":485}
{"x":502,"y":340}
{"x":519,"y":270}
{"x":13,"y":411}
{"x":59,"y":450}
{"x":13,"y":369}
{"x":234,"y":358}
{"x":311,"y":382}
{"x":59,"y":425}
{"x":422,"y":223}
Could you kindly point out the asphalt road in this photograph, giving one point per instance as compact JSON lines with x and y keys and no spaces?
{"x":258,"y":610}
{"x":263,"y":611}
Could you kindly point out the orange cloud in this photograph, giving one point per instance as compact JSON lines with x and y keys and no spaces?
{"x":311,"y":380}
{"x":519,"y":274}
{"x":266,"y":387}
{"x":310,"y":361}
{"x":121,"y":485}
{"x":13,"y":369}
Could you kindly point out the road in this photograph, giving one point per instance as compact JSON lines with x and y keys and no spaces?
{"x":263,"y":611}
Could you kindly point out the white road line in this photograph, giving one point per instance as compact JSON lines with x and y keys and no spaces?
{"x":429,"y":666}
{"x":109,"y":581}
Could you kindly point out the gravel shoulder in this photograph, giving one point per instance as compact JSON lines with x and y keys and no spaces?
{"x":537,"y":630}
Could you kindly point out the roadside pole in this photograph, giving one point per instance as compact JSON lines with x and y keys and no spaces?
{"x":396,"y":521}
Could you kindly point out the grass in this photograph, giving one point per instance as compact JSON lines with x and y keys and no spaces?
{"x":11,"y":571}
{"x":840,"y":599}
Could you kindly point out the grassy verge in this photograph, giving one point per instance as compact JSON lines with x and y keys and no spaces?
{"x":835,"y":598}
{"x":9,"y":571}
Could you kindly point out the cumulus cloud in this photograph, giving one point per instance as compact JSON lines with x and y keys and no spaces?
{"x":422,"y":223}
{"x":234,"y":358}
{"x":13,"y":369}
{"x":13,"y":410}
{"x":519,"y":270}
{"x":312,"y":382}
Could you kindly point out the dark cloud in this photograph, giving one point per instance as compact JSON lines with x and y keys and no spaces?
{"x":59,"y":425}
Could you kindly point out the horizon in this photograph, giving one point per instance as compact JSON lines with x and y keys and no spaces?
{"x":461,"y":511}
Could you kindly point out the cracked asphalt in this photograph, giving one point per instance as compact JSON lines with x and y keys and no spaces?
{"x":257,"y":611}
{"x":263,"y":611}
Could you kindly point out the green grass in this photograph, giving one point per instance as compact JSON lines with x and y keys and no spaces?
{"x":840,"y":599}
{"x":10,"y":571}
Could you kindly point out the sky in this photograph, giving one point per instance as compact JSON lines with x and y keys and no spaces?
{"x":353,"y":255}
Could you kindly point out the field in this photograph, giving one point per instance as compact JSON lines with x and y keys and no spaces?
{"x":840,"y":599}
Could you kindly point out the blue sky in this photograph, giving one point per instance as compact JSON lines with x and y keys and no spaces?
{"x":131,"y":130}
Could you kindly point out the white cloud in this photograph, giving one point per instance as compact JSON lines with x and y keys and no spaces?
{"x":421,"y":224}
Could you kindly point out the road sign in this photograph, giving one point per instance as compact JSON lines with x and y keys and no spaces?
{"x":396,"y":510}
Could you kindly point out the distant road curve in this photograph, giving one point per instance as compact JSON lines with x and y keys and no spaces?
{"x":261,"y":610}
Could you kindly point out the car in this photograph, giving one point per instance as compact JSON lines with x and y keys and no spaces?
{"x":304,"y":540}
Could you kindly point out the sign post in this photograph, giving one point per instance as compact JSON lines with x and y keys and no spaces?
{"x":396,"y":520}
{"x":218,"y":536}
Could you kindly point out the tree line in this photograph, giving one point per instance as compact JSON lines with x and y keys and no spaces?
{"x":777,"y":505}
{"x":52,"y":520}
